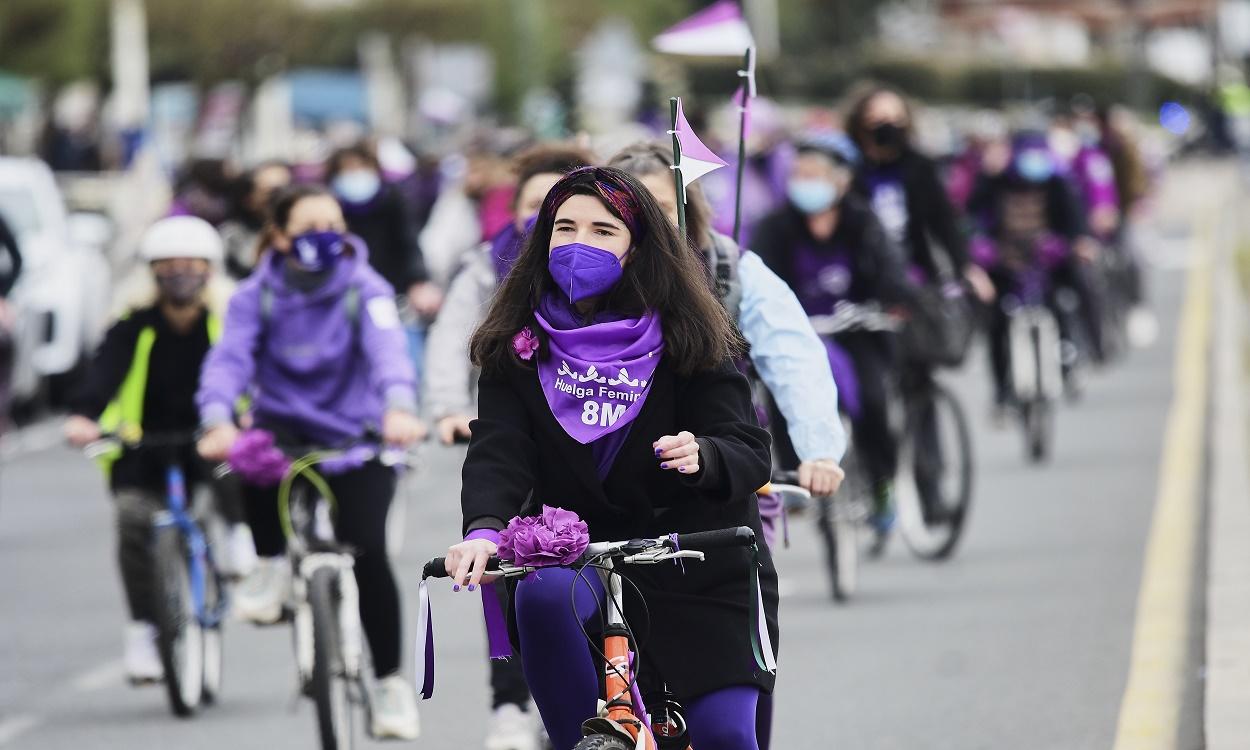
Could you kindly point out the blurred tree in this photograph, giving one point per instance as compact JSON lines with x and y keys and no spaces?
{"x":57,"y":40}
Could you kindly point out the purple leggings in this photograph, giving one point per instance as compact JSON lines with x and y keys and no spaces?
{"x":564,"y":678}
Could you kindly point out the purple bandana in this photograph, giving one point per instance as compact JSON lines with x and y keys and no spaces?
{"x":595,"y":376}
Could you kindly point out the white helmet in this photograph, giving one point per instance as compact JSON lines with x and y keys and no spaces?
{"x":181,"y":237}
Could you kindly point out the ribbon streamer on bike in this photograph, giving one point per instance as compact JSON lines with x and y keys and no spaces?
{"x":425,"y":641}
{"x":761,"y":640}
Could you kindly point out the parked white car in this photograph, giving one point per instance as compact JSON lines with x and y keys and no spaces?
{"x":62,"y":296}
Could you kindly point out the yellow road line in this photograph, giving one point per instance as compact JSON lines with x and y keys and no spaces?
{"x":1150,"y":712}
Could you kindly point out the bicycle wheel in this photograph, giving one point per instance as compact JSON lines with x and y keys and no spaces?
{"x":934,"y":487}
{"x":602,"y":742}
{"x":825,"y":525}
{"x":328,"y":687}
{"x":846,"y":536}
{"x":180,"y":640}
{"x":1038,"y":417}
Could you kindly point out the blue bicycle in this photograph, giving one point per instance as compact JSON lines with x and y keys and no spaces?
{"x":190,"y":594}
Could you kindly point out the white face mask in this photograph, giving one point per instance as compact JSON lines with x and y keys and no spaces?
{"x":357,"y":185}
{"x":812,"y":196}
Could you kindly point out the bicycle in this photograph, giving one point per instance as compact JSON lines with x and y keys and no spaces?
{"x":623,"y":723}
{"x":189,"y":590}
{"x":324,"y":600}
{"x":1035,"y":353}
{"x":934,"y":481}
{"x":839,"y":519}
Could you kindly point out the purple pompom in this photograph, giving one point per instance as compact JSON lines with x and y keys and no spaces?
{"x":557,"y":537}
{"x":256,"y":459}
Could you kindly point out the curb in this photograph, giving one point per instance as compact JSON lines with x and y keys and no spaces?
{"x":1227,"y":697}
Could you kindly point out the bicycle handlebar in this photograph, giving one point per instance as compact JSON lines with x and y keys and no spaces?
{"x":678,"y":544}
{"x":704,"y":541}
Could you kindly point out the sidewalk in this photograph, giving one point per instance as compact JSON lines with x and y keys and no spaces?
{"x":1227,"y":695}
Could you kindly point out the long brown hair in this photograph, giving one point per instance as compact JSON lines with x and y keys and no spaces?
{"x":644,"y":159}
{"x":662,"y":276}
{"x":860,"y":96}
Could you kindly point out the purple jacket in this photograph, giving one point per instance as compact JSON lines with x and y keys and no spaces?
{"x":308,"y":366}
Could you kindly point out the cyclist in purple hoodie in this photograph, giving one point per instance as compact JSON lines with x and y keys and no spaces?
{"x":314,"y":337}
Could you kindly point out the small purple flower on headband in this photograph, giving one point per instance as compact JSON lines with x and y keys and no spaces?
{"x":256,"y":459}
{"x":525,"y":343}
{"x":557,"y":537}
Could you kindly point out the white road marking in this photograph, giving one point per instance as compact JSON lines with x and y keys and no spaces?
{"x":108,"y":674}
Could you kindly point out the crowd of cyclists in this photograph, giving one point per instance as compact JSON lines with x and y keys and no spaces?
{"x":327,"y":303}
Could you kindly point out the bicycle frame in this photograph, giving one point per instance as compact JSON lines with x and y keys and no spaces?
{"x":200,"y":563}
{"x":1036,"y":359}
{"x":618,"y":670}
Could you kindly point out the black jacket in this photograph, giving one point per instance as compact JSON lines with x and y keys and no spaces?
{"x":877,"y":272}
{"x":1064,"y":214}
{"x":390,"y":233}
{"x":169,"y":400}
{"x":931,"y":218}
{"x":520,"y":458}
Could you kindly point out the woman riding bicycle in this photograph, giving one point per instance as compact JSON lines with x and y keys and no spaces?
{"x":672,"y":446}
{"x":143,"y":380}
{"x":448,"y":388}
{"x":1029,"y":221}
{"x":784,"y":349}
{"x":830,"y":247}
{"x":314,"y":335}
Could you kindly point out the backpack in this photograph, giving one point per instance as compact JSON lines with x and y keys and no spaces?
{"x":722,"y":261}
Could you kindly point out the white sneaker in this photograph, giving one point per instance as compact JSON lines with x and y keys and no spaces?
{"x":260,"y":596}
{"x":395,"y":710}
{"x":238,"y":552}
{"x":511,"y":728}
{"x":142,"y":660}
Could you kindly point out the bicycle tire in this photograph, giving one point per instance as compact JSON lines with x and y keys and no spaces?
{"x":327,"y":687}
{"x":179,"y":636}
{"x":212,"y":665}
{"x":825,"y":524}
{"x":214,"y":603}
{"x":1039,"y":428}
{"x":602,"y":742}
{"x":846,"y":536}
{"x":936,"y":541}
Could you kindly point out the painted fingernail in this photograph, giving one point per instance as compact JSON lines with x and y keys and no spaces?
{"x":663,"y":466}
{"x":472,"y":587}
{"x":455,"y":587}
{"x":658,"y":451}
{"x":682,"y":469}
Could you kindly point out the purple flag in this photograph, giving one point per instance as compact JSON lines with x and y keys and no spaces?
{"x":719,"y":30}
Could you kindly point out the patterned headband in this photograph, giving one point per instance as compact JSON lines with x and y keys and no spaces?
{"x":618,"y":197}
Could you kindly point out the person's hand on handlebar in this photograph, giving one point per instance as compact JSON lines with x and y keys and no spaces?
{"x":821,"y":477}
{"x":466,"y":562}
{"x":402,"y":428}
{"x":215,"y":444}
{"x":453,"y":427}
{"x":81,"y":431}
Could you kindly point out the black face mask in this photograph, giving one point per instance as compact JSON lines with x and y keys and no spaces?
{"x":889,"y":135}
{"x":183,"y":288}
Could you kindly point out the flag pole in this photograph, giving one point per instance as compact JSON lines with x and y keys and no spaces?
{"x":677,"y":178}
{"x":742,"y":143}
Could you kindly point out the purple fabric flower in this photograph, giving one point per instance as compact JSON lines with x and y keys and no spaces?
{"x":256,"y":459}
{"x":557,"y":537}
{"x":525,"y":343}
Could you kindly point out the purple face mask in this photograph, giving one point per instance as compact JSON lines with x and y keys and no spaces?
{"x":583,"y":271}
{"x":317,"y":251}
